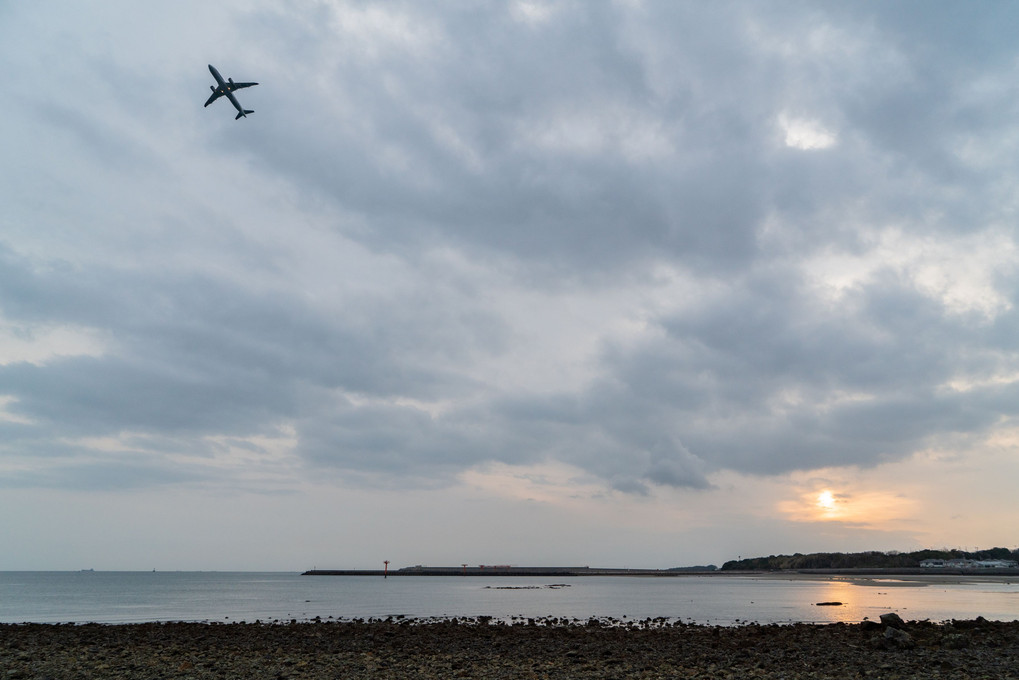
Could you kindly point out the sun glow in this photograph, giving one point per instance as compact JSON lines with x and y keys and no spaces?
{"x":826,"y":501}
{"x":845,"y":503}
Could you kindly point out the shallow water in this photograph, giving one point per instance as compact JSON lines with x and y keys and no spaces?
{"x":122,"y":597}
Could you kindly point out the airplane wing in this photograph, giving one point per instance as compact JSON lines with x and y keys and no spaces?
{"x":237,"y":86}
{"x":214,"y":97}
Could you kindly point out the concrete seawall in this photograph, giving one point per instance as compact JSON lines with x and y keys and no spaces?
{"x":500,"y":571}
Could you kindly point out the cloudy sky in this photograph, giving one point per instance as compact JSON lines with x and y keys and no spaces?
{"x":622,"y":283}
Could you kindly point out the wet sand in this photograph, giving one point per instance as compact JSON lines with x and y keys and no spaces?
{"x":470,"y":648}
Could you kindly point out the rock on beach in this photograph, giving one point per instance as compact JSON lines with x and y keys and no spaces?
{"x":530,"y":648}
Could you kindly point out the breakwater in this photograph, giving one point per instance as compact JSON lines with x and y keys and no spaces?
{"x":498,"y":570}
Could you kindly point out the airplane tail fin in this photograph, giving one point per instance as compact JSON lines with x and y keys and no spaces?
{"x":242,"y":113}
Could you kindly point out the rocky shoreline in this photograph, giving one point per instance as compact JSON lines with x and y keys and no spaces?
{"x":527,"y":648}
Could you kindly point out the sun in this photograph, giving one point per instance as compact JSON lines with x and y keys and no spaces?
{"x":826,"y":500}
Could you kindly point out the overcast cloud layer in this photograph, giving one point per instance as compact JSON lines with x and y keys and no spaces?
{"x":655,"y":242}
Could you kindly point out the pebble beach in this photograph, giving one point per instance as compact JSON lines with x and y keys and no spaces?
{"x":479,"y":648}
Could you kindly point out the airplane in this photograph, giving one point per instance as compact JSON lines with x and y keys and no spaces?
{"x":226,"y":88}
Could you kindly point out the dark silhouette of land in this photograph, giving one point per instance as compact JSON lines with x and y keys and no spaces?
{"x":870,"y":560}
{"x":993,"y":561}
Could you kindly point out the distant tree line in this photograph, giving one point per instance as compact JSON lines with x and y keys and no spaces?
{"x":864,"y":560}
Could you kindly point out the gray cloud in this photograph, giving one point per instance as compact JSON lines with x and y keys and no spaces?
{"x":760,"y":383}
{"x":105,"y":476}
{"x":460,"y":158}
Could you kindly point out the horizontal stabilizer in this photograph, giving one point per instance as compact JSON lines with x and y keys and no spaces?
{"x":242,"y":113}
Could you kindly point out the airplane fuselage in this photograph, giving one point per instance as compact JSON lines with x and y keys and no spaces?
{"x":233,"y":100}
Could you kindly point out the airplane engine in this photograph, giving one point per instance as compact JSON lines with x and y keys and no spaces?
{"x":212,"y":87}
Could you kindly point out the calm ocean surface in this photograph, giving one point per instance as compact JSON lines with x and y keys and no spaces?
{"x":123,"y":597}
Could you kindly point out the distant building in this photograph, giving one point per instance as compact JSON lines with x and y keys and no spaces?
{"x":932,"y":564}
{"x":969,"y":564}
{"x":997,"y":564}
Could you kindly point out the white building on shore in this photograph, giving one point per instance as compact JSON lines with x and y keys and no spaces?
{"x":969,"y":564}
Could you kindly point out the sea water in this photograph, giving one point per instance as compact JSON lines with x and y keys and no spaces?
{"x":123,"y":597}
